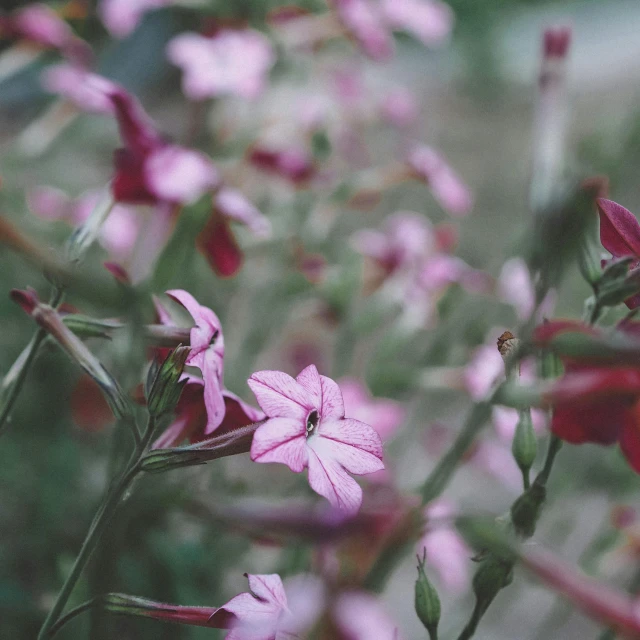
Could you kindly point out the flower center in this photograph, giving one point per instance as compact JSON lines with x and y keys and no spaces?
{"x":214,"y":338}
{"x":312,"y":422}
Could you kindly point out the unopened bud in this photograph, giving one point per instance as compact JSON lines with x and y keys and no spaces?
{"x":615,"y":290}
{"x":525,"y":444}
{"x":88,"y":327}
{"x":164,"y":387}
{"x":427,"y":602}
{"x":493,"y":574}
{"x":525,"y":511}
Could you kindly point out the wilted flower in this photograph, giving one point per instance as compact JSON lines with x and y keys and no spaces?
{"x":207,"y":353}
{"x":306,"y":427}
{"x":228,"y":63}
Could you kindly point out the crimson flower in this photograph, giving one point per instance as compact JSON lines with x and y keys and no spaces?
{"x":595,"y":401}
{"x":306,"y":427}
{"x":620,"y":236}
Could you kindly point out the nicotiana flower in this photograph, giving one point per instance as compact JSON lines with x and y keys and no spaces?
{"x":192,"y":420}
{"x":231,"y":62}
{"x":306,"y":427}
{"x":149,"y":169}
{"x":620,"y":236}
{"x":207,"y":354}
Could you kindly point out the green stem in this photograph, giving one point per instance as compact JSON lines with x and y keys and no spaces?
{"x":555,"y":444}
{"x":85,"y":606}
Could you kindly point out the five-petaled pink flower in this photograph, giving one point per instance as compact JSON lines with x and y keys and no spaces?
{"x":207,"y":353}
{"x":229,"y":63}
{"x":306,"y":427}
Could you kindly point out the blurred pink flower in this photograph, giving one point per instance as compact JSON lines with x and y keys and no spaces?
{"x":516,"y":288}
{"x":364,"y":22}
{"x":505,"y":420}
{"x":149,"y":169}
{"x":121,"y":17}
{"x":119,"y":232}
{"x":85,"y":90}
{"x":292,"y":164}
{"x":447,"y":187}
{"x":399,"y":107}
{"x":191,"y":419}
{"x":447,"y":552}
{"x":306,"y":427}
{"x":361,"y":616}
{"x":207,"y":354}
{"x":229,"y":63}
{"x":430,"y":21}
{"x":39,"y":24}
{"x":384,"y":415}
{"x":484,"y":369}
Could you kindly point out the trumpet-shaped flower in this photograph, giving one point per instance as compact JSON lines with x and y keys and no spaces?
{"x":207,"y":354}
{"x":306,"y":427}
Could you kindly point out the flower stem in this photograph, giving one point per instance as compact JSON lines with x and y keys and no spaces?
{"x":85,"y":606}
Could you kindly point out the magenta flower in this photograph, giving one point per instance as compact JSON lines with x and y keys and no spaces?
{"x":207,"y":354}
{"x":266,"y":613}
{"x":191,"y":419}
{"x":230,"y":63}
{"x":620,"y":236}
{"x":430,"y":21}
{"x":294,"y":165}
{"x":306,"y":427}
{"x":447,"y":187}
{"x":149,"y":169}
{"x":121,"y":17}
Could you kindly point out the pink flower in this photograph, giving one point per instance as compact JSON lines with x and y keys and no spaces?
{"x":85,"y":90}
{"x":364,"y":22}
{"x":516,"y":287}
{"x":294,"y":165}
{"x":430,"y":21}
{"x":447,"y":553}
{"x":229,"y":63}
{"x":306,"y":427}
{"x":207,"y":354}
{"x":266,"y":613}
{"x":483,"y":370}
{"x":399,"y":107}
{"x":447,"y":187}
{"x":217,"y":241}
{"x":121,"y":17}
{"x":151,"y":170}
{"x":191,"y":421}
{"x":384,"y":415}
{"x":361,"y":616}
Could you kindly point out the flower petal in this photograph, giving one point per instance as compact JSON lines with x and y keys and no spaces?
{"x":619,"y":229}
{"x":329,"y":479}
{"x":218,"y":244}
{"x":599,"y":422}
{"x":630,"y":440}
{"x":309,"y":379}
{"x":232,"y":204}
{"x":354,"y":444}
{"x":281,"y":440}
{"x":280,"y":396}
{"x":269,"y":588}
{"x":213,"y":399}
{"x":332,"y":405}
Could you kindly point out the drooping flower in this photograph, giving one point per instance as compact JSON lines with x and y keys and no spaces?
{"x":231,"y":62}
{"x":149,"y":169}
{"x":306,"y":427}
{"x":447,"y":187}
{"x":217,"y":241}
{"x":192,"y":420}
{"x":207,"y":354}
{"x":620,"y":236}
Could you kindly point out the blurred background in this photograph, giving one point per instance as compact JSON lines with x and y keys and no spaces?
{"x":474,"y":96}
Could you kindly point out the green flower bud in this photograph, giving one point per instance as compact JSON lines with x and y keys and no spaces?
{"x":525,"y":511}
{"x":493,"y":574}
{"x":163,"y":387}
{"x":525,"y":444}
{"x":427,"y":602}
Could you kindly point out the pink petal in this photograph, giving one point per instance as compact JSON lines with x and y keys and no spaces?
{"x":332,"y":405}
{"x":87,"y":91}
{"x":355,"y":445}
{"x":213,"y":400}
{"x":430,"y":21}
{"x":329,"y":479}
{"x":268,"y":587}
{"x":39,"y":23}
{"x":281,"y":440}
{"x":361,"y":616}
{"x":280,"y":396}
{"x":309,"y":379}
{"x":232,"y":204}
{"x":619,"y":229}
{"x":136,"y":128}
{"x":179,"y":175}
{"x":219,"y":246}
{"x":450,"y":557}
{"x":121,"y":17}
{"x":49,"y":203}
{"x":256,"y":619}
{"x":516,"y":288}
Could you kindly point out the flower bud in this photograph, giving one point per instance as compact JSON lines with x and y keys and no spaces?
{"x":525,"y":511}
{"x":164,"y":387}
{"x":493,"y":574}
{"x":525,"y":445}
{"x":427,"y":602}
{"x":88,"y":327}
